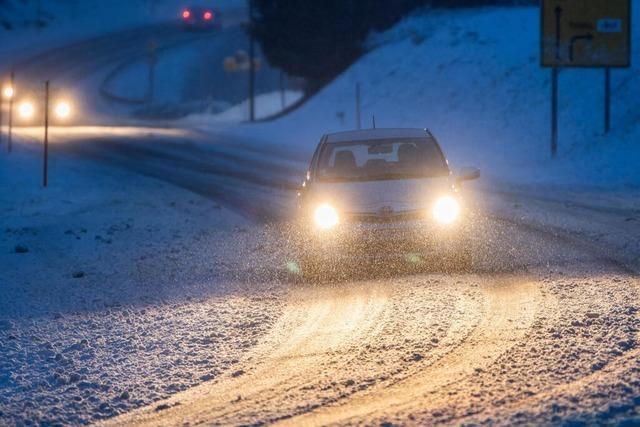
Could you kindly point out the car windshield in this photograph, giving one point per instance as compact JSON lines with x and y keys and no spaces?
{"x":381,"y":159}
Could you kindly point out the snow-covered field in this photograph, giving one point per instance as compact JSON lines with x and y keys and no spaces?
{"x":115,"y":290}
{"x":473,"y":78}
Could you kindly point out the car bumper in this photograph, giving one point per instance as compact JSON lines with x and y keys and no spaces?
{"x":392,"y":239}
{"x":200,"y":25}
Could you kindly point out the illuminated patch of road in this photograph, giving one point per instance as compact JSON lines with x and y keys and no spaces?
{"x":72,"y":133}
{"x":508,"y":314}
{"x":334,"y":345}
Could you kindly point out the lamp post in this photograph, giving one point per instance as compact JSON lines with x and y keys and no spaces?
{"x":10,"y":93}
{"x":45,"y":163}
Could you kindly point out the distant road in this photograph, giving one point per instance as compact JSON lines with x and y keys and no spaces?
{"x":79,"y":59}
{"x":80,"y":68}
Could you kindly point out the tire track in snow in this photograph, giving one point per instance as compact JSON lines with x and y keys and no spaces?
{"x":509,"y":313}
{"x":313,"y":323}
{"x":321,"y":326}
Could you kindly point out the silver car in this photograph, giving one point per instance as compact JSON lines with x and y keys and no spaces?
{"x":381,"y":194}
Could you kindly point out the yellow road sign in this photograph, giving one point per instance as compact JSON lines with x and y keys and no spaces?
{"x":586,"y":33}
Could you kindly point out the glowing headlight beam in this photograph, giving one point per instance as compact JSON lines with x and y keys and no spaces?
{"x":26,"y":110}
{"x":326,"y":217}
{"x":446,"y":210}
{"x":62,"y":110}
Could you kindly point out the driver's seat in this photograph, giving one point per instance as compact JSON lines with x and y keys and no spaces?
{"x":345,"y":162}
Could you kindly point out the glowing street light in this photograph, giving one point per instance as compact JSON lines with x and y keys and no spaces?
{"x":26,"y":110}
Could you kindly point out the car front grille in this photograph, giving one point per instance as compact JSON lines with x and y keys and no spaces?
{"x":385,"y":217}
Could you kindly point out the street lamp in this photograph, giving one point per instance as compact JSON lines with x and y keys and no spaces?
{"x":7,"y":92}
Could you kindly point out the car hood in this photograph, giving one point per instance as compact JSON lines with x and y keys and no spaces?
{"x":394,"y":196}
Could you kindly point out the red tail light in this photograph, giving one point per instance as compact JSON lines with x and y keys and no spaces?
{"x":186,"y":14}
{"x":208,"y":15}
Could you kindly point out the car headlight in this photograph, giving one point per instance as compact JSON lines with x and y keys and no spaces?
{"x":8,"y":92}
{"x":26,"y":110}
{"x":326,"y":217}
{"x":446,"y":210}
{"x":63,"y":110}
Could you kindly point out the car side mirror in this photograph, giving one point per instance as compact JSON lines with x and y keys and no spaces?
{"x":468,"y":174}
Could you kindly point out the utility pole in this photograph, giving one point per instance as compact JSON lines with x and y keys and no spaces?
{"x":2,"y":95}
{"x":45,"y":165}
{"x":252,"y":66}
{"x":283,"y":100}
{"x":554,"y":111}
{"x":607,"y":99}
{"x":358,"y":123}
{"x":10,"y":135}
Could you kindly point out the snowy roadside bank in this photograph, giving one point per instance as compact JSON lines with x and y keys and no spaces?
{"x":89,"y":218}
{"x":116,"y":290}
{"x":480,"y":89}
{"x":606,"y":223}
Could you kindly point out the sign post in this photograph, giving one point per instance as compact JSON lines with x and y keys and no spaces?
{"x":10,"y":131}
{"x":283,"y":100}
{"x":45,"y":164}
{"x":2,"y":96}
{"x":554,"y":112}
{"x":587,"y":34}
{"x":607,"y":99}
{"x":358,"y":124}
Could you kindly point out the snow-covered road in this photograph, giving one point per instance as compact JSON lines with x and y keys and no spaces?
{"x":553,"y":340}
{"x":544,"y":328}
{"x":255,"y":181}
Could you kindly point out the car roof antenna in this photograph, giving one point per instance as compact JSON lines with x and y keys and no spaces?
{"x":373,"y":118}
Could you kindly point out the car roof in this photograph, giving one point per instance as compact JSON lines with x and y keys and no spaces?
{"x":378,"y":133}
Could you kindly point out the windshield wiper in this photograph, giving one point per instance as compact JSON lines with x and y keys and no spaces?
{"x":382,"y":177}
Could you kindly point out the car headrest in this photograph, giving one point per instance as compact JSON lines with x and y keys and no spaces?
{"x":345,"y":161}
{"x":408,"y":153}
